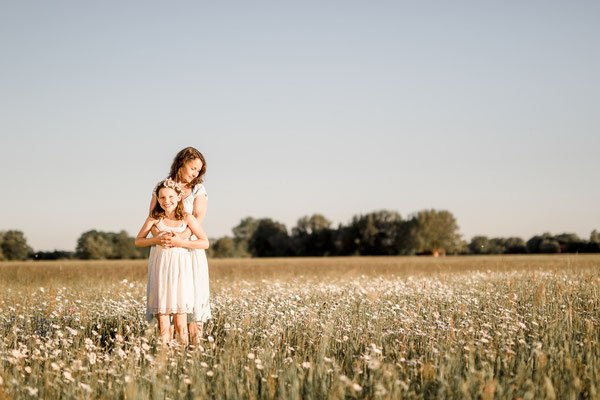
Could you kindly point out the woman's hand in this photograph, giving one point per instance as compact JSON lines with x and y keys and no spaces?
{"x":176,"y":241}
{"x":185,"y":234}
{"x":166,"y":239}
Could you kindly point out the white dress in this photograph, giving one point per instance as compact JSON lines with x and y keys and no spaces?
{"x":202,"y":311}
{"x":170,"y":289}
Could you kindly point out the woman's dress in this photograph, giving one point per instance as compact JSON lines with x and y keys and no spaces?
{"x":202,"y":311}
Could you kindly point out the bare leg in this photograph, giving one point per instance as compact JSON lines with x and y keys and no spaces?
{"x":181,"y":331}
{"x":164,"y":328}
{"x":194,"y":336}
{"x":200,"y":327}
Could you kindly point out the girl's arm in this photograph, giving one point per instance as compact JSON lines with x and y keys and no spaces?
{"x":142,"y":239}
{"x":200,"y":243}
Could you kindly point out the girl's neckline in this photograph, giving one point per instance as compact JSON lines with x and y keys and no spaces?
{"x":181,"y":223}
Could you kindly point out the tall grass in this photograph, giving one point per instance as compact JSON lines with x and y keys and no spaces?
{"x":455,"y":327}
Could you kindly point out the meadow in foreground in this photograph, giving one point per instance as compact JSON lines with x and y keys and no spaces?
{"x":389,"y":328}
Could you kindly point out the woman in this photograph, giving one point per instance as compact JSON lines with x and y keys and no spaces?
{"x":188,"y":169}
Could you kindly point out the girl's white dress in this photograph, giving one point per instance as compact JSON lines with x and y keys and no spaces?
{"x":202,"y":311}
{"x":170,"y":289}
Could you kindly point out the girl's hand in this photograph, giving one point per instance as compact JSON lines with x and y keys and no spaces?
{"x":166,"y":239}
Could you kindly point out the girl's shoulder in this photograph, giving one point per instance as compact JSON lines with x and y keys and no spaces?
{"x":153,"y":220}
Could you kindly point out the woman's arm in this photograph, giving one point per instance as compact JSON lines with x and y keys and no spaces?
{"x":199,"y":211}
{"x":200,"y":243}
{"x":200,"y":205}
{"x":142,"y":239}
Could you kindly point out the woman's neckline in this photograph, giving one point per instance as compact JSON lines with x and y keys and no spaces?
{"x":189,"y":194}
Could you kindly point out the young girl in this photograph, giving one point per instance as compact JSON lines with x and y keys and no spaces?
{"x":188,"y":169}
{"x":170,"y":289}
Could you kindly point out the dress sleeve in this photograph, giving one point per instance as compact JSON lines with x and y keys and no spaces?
{"x":200,"y":190}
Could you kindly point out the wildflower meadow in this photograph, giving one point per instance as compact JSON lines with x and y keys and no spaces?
{"x":310,"y":328}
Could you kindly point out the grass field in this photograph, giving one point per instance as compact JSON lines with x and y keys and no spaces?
{"x":391,"y":328}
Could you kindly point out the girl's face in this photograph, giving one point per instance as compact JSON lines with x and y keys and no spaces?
{"x":168,"y":199}
{"x":190,"y":170}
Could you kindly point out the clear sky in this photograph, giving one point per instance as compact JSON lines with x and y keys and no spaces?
{"x":487,"y":109}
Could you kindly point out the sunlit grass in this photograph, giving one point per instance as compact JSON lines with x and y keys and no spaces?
{"x":455,"y":327}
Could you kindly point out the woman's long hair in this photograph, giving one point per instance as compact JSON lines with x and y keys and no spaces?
{"x":185,"y":155}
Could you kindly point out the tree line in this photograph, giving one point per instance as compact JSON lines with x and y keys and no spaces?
{"x":383,"y":232}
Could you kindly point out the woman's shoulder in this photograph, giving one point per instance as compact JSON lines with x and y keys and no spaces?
{"x":189,"y":218}
{"x":200,"y":190}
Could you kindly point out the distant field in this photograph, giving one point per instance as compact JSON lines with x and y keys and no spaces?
{"x":358,"y":327}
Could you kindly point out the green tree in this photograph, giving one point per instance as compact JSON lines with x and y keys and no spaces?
{"x":123,"y":246}
{"x":54,"y":255}
{"x":94,"y":245}
{"x":436,"y":232}
{"x":515,"y":245}
{"x":462,"y":247}
{"x":593,"y":246}
{"x":571,"y":243}
{"x":377,"y":233}
{"x":98,"y":245}
{"x":567,"y":238}
{"x":533,"y":244}
{"x":242,"y":234}
{"x":595,"y":236}
{"x":14,"y":246}
{"x":479,"y":245}
{"x":497,"y":245}
{"x":269,"y":239}
{"x":223,"y":248}
{"x":313,"y":236}
{"x":407,"y":236}
{"x":345,"y":241}
{"x":549,"y":246}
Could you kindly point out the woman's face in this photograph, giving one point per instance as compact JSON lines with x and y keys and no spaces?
{"x":190,"y":170}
